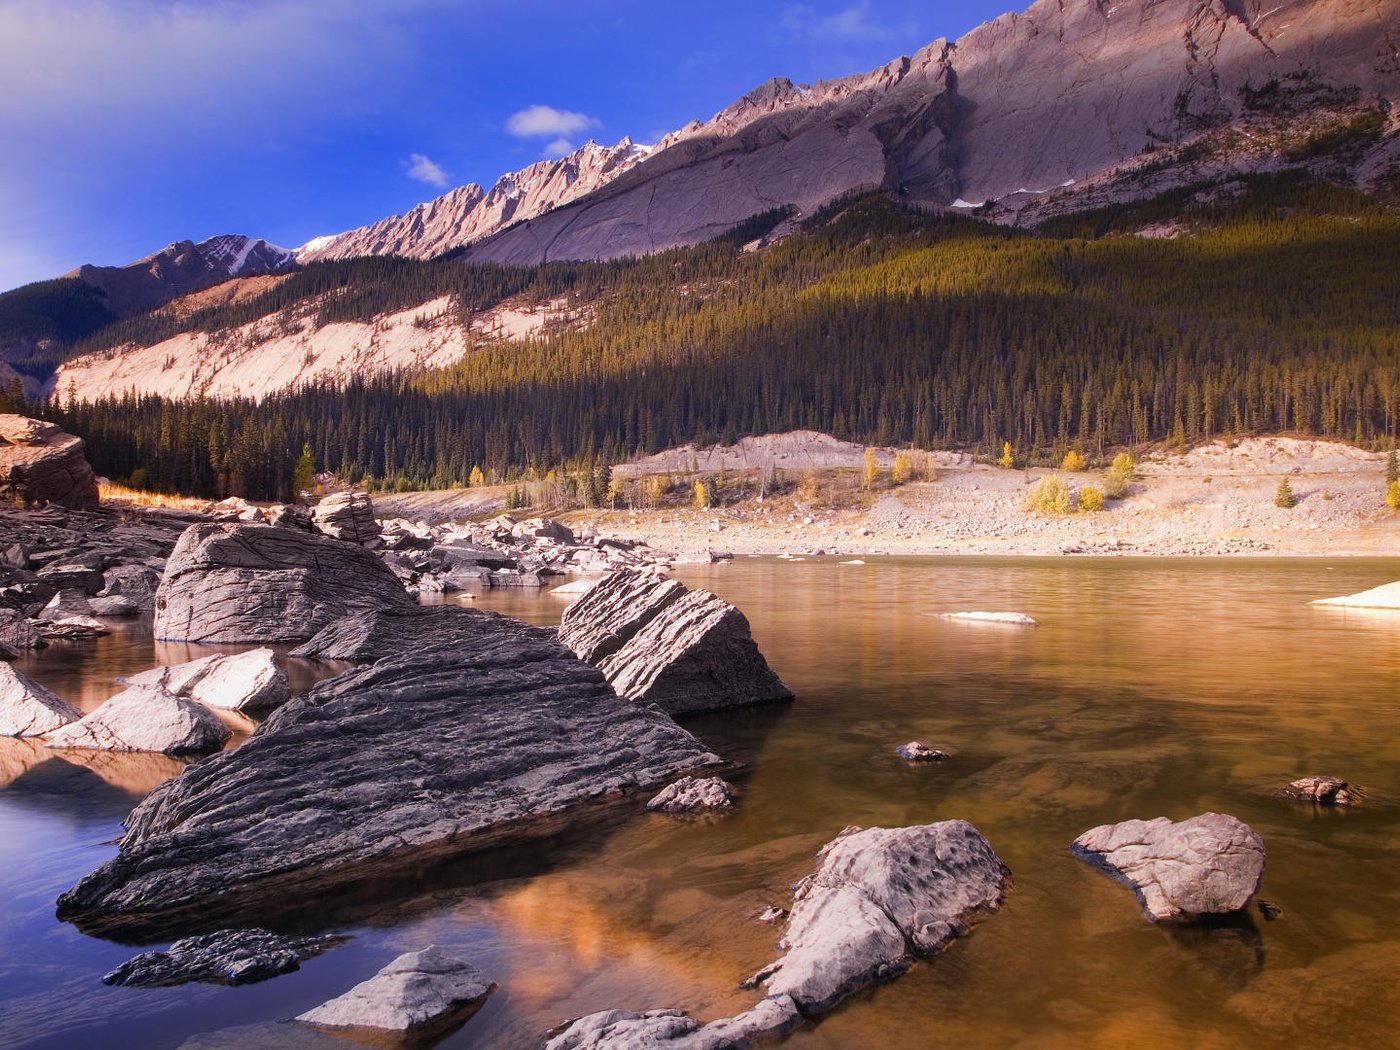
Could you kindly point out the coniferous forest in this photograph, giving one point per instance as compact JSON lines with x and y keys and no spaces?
{"x":1269,"y":307}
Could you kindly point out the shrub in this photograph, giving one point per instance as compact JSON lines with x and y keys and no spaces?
{"x":1090,"y":499}
{"x":702,"y":495}
{"x":1008,"y":459}
{"x":1073,"y":461}
{"x":871,"y":474}
{"x":1119,"y":474}
{"x":1392,"y":495}
{"x":1050,"y":495}
{"x":1392,"y":469}
{"x":1284,"y":497}
{"x":902,"y":471}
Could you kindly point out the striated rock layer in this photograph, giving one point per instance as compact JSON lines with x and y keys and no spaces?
{"x":225,"y":957}
{"x":440,"y":749}
{"x":40,"y":464}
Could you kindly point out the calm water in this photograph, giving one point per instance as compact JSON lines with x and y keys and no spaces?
{"x":1149,"y":688}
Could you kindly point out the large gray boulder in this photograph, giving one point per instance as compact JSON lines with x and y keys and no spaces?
{"x":373,"y":634}
{"x":881,"y":897}
{"x":250,"y":682}
{"x":138,"y":583}
{"x":235,"y":582}
{"x":347,"y":516}
{"x":417,"y":990}
{"x":441,"y":749}
{"x":27,"y":708}
{"x":225,"y":957}
{"x":40,"y":464}
{"x":1208,"y":865}
{"x":145,"y":718}
{"x":657,"y":642}
{"x":675,"y":1030}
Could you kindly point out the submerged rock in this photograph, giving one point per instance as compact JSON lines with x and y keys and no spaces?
{"x":1208,"y":865}
{"x":440,"y":749}
{"x":27,"y":708}
{"x":693,"y":794}
{"x":675,"y":1030}
{"x":1325,"y":791}
{"x":39,"y":463}
{"x":250,"y":682}
{"x":881,"y":897}
{"x":685,"y":651}
{"x":415,"y":991}
{"x":918,"y":751}
{"x":145,"y":718}
{"x":225,"y":957}
{"x":234,"y":582}
{"x":347,"y":516}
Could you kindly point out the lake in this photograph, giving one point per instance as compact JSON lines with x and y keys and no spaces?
{"x":1148,"y":688}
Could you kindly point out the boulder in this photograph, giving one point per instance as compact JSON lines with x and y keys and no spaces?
{"x":18,"y":632}
{"x":674,"y":1030}
{"x":289,"y":516}
{"x":66,"y":605}
{"x":116,"y":605}
{"x":1208,"y":865}
{"x":73,"y":628}
{"x":138,"y":583}
{"x":66,"y":576}
{"x":417,"y":990}
{"x":440,"y":749}
{"x":693,"y":794}
{"x":1324,"y":791}
{"x":918,"y":751}
{"x":145,"y":718}
{"x":543,"y":529}
{"x":347,"y":516}
{"x":656,"y":642}
{"x":250,"y":682}
{"x":880,"y":897}
{"x":40,"y":464}
{"x":254,"y":583}
{"x":225,"y":957}
{"x":372,"y":635}
{"x":27,"y":708}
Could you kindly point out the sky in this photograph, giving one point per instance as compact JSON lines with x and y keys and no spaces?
{"x":128,"y":124}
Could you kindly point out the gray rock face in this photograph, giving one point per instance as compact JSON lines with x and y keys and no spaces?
{"x":27,"y":708}
{"x":685,"y":651}
{"x":416,"y":990}
{"x":440,"y":749}
{"x":40,"y":464}
{"x":347,"y":516}
{"x":250,"y":682}
{"x":116,"y":605}
{"x":674,"y":1030}
{"x":372,"y":635}
{"x":233,"y":582}
{"x":17,"y":632}
{"x":693,"y":794}
{"x":881,"y":896}
{"x":138,"y":583}
{"x":1325,"y":791}
{"x":225,"y":957}
{"x":1208,"y":865}
{"x":145,"y":718}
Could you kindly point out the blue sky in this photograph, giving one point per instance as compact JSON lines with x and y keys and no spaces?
{"x":128,"y":124}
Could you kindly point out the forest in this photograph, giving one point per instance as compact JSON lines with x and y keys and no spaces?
{"x":1269,"y":305}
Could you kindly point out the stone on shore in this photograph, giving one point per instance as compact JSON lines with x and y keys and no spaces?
{"x":656,"y":642}
{"x":693,"y":795}
{"x":1181,"y":870}
{"x":235,"y":582}
{"x":225,"y":957}
{"x":27,"y":708}
{"x":1386,"y":596}
{"x":41,"y":464}
{"x":880,"y":897}
{"x":250,"y":682}
{"x":415,"y":991}
{"x":347,"y":516}
{"x":1324,"y":791}
{"x":675,"y":1030}
{"x":441,"y":749}
{"x":145,"y":718}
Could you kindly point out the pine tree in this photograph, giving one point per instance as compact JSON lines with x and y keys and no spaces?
{"x":305,"y":474}
{"x":1284,"y":498}
{"x":1392,"y":469}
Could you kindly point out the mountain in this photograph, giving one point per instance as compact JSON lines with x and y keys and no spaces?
{"x":470,"y":213}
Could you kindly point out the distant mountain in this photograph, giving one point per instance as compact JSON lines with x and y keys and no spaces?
{"x":470,"y":213}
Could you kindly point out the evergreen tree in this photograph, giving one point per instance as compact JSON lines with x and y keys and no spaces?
{"x":1284,"y":497}
{"x":305,"y":474}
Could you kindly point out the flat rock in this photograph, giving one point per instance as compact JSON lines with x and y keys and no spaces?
{"x":880,"y":897}
{"x":657,"y":642}
{"x":225,"y":957}
{"x":438,"y":750}
{"x":27,"y":708}
{"x":1325,"y":791}
{"x":251,"y":682}
{"x":1208,"y":865}
{"x":371,"y":635}
{"x":693,"y":794}
{"x":675,"y":1030}
{"x":416,"y":990}
{"x":347,"y":516}
{"x":40,"y":464}
{"x":918,"y":751}
{"x":235,"y":582}
{"x":145,"y":718}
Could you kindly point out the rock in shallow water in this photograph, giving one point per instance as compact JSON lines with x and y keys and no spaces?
{"x":416,"y":990}
{"x":1208,"y":865}
{"x":675,"y":1030}
{"x":27,"y":708}
{"x":236,"y":582}
{"x":1324,"y":791}
{"x":145,"y":718}
{"x":438,"y":750}
{"x":225,"y":957}
{"x":250,"y":682}
{"x":918,"y":751}
{"x":693,"y":794}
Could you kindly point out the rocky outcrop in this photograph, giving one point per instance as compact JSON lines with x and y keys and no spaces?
{"x":138,"y":583}
{"x":685,"y":651}
{"x":40,"y":464}
{"x":372,"y":635}
{"x":1208,"y":865}
{"x":18,"y":632}
{"x":1321,"y":790}
{"x":225,"y":957}
{"x":145,"y":718}
{"x":881,"y":897}
{"x":250,"y":682}
{"x":415,"y":991}
{"x":27,"y":708}
{"x":440,"y":749}
{"x":675,"y":1030}
{"x":237,"y":582}
{"x":693,"y":795}
{"x":347,"y":516}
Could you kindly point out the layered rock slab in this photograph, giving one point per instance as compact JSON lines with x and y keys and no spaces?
{"x":250,"y":682}
{"x":225,"y":957}
{"x":346,"y":516}
{"x":145,"y":718}
{"x":374,"y":634}
{"x":657,"y":642}
{"x":238,"y":582}
{"x":41,"y":464}
{"x":1180,"y":870}
{"x":439,"y":750}
{"x":415,"y":991}
{"x":27,"y":708}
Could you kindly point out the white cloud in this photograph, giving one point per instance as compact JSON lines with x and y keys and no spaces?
{"x":560,"y":147}
{"x":544,"y":121}
{"x":849,"y":23}
{"x":424,"y":170}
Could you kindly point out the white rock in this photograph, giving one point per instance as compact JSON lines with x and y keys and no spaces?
{"x":27,"y":708}
{"x":1013,"y":618}
{"x":691,"y":794}
{"x":1386,"y":596}
{"x":250,"y":682}
{"x":414,"y":990}
{"x":145,"y":718}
